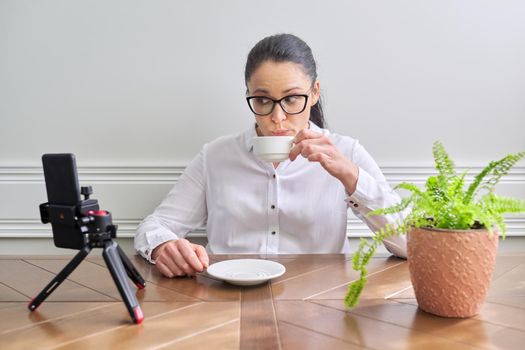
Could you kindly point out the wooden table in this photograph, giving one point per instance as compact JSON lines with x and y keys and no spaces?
{"x":303,"y":309}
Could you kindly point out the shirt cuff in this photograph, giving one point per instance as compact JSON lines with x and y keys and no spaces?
{"x":364,"y":188}
{"x":154,"y":239}
{"x":146,"y":254}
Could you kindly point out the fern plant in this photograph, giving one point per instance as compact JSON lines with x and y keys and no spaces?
{"x":445,"y":202}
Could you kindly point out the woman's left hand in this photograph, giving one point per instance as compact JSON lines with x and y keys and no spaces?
{"x":316,"y":147}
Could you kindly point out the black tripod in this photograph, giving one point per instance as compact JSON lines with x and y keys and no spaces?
{"x":99,"y":232}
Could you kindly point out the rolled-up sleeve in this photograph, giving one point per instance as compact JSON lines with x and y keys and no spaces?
{"x":182,"y":210}
{"x":373,"y":192}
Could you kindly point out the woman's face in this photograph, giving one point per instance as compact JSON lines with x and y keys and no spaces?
{"x":277,"y":80}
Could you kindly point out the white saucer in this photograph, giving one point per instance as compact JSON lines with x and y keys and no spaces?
{"x":246,"y":272}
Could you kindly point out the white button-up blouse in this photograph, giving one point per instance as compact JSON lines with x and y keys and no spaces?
{"x":250,"y":207}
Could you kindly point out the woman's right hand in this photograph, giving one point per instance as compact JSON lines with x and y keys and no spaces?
{"x":180,"y":258}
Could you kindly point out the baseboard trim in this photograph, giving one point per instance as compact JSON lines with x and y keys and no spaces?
{"x":170,"y":174}
{"x":31,"y":228}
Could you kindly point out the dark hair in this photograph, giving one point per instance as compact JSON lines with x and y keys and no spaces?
{"x":286,"y":48}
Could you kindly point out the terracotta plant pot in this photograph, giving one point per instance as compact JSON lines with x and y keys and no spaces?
{"x":451,"y":270}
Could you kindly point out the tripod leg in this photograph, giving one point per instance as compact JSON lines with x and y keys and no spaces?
{"x":132,"y":272}
{"x":62,"y":275}
{"x":115,"y":266}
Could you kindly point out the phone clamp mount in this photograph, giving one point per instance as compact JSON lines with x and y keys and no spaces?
{"x":98,"y":231}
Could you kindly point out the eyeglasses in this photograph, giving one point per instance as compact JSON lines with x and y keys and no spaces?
{"x":292,"y":104}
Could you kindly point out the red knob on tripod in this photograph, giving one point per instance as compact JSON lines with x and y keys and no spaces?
{"x":98,"y":212}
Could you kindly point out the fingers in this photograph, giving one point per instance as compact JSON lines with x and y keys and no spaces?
{"x":320,"y":158}
{"x":164,"y":269}
{"x":307,"y":137}
{"x":179,"y":258}
{"x":202,"y":255}
{"x":167,"y":267}
{"x":312,"y":146}
{"x":192,"y":262}
{"x":312,"y":149}
{"x":164,"y":262}
{"x":305,"y":134}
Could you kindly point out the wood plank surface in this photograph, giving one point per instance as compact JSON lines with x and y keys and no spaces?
{"x":303,"y":309}
{"x":200,"y":287}
{"x":9,"y":294}
{"x":83,"y":275}
{"x":29,"y":280}
{"x":318,"y":281}
{"x":258,"y":322}
{"x":356,"y":329}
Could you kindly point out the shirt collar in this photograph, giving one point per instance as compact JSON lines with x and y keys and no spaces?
{"x":251,"y":133}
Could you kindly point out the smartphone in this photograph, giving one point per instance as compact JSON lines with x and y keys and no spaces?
{"x":63,"y":195}
{"x":60,"y":173}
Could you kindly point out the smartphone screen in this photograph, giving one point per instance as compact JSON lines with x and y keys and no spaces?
{"x":60,"y":173}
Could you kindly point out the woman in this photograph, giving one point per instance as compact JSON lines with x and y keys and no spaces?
{"x":296,"y":206}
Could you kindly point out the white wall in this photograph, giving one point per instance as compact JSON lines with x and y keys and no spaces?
{"x":134,"y":88}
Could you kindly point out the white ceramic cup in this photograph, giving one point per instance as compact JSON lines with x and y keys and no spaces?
{"x":272,"y":148}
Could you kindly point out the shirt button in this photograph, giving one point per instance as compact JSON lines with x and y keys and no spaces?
{"x":351,"y":202}
{"x":273,"y":176}
{"x":273,"y":206}
{"x":273,"y":232}
{"x":355,"y":205}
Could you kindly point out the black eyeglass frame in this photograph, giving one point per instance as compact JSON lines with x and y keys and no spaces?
{"x":279,"y":102}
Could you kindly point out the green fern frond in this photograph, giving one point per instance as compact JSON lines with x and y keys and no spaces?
{"x":355,"y":289}
{"x":502,"y":205}
{"x":456,"y":186}
{"x":410,"y":187}
{"x":495,"y":170}
{"x":473,"y":188}
{"x":419,"y":198}
{"x":444,"y":165}
{"x":501,"y":169}
{"x":405,"y":202}
{"x":436,"y":189}
{"x":357,"y":259}
{"x":361,"y":259}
